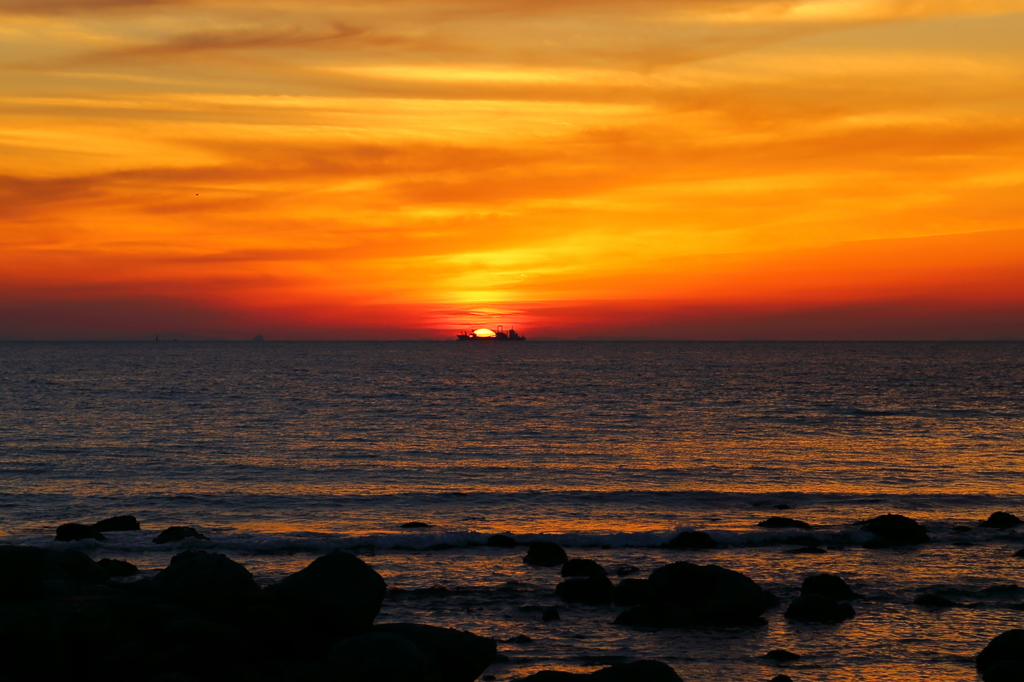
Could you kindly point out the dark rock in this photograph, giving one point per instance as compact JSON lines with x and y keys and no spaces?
{"x":684,"y":594}
{"x":460,"y":656}
{"x":197,"y":645}
{"x":177,"y":534}
{"x":70,"y":532}
{"x":1001,"y":520}
{"x":934,"y":601}
{"x":24,"y":570}
{"x":116,"y":568}
{"x":782,"y":656}
{"x":815,"y":608}
{"x":550,"y":613}
{"x":117,"y":523}
{"x":828,"y":585}
{"x":519,"y":639}
{"x":630,"y":592}
{"x":415,"y":524}
{"x":1002,"y":658}
{"x":783,"y":522}
{"x":206,"y":581}
{"x":1019,"y":553}
{"x":637,"y":671}
{"x":592,"y":590}
{"x":545,"y":553}
{"x":781,"y":678}
{"x":692,"y":540}
{"x":582,"y":567}
{"x":381,"y":657}
{"x":806,"y":550}
{"x":488,"y":678}
{"x":626,"y":570}
{"x":337,"y":593}
{"x":555,"y":676}
{"x":502,"y":540}
{"x":895,"y":530}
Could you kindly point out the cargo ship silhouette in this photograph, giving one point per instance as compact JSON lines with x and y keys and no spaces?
{"x":485,"y":334}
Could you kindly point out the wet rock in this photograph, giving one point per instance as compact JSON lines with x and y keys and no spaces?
{"x":895,"y":530}
{"x":177,"y":534}
{"x":116,"y":568}
{"x":782,"y":656}
{"x":694,"y":539}
{"x":519,"y":639}
{"x":828,"y":585}
{"x":582,"y":567}
{"x":815,"y":608}
{"x":381,"y":657}
{"x":783,"y":522}
{"x":1002,"y":660}
{"x":781,"y":678}
{"x":117,"y":523}
{"x":550,"y":614}
{"x":684,"y":594}
{"x":24,"y":570}
{"x":1019,"y":553}
{"x":592,"y":590}
{"x":637,"y":671}
{"x":415,"y":524}
{"x":337,"y":593}
{"x":71,"y":532}
{"x":622,"y":571}
{"x":206,"y":581}
{"x":198,"y":645}
{"x":1001,"y":520}
{"x":502,"y":540}
{"x":806,"y":550}
{"x":555,"y":676}
{"x":934,"y":601}
{"x":630,"y":592}
{"x":460,"y":656}
{"x":545,"y":553}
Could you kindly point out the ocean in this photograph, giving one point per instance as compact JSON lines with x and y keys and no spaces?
{"x":282,"y":451}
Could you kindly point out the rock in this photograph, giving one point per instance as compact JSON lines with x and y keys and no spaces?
{"x":520,"y":639}
{"x":637,"y":671}
{"x":782,"y":656}
{"x":1019,"y":553}
{"x":381,"y":657}
{"x":460,"y":656}
{"x":555,"y":676}
{"x":545,"y":553}
{"x":582,"y":567}
{"x":806,"y":550}
{"x":415,"y":524}
{"x":934,"y":601}
{"x":592,"y":590}
{"x":692,"y":540}
{"x":1003,"y":658}
{"x":1001,"y":520}
{"x":337,"y":593}
{"x":622,"y":571}
{"x":206,"y":581}
{"x":116,"y":568}
{"x":783,"y":522}
{"x":550,"y":613}
{"x":71,"y":532}
{"x":895,"y":530}
{"x":177,"y":534}
{"x":781,"y":678}
{"x":117,"y":523}
{"x":828,"y":585}
{"x":503,"y":541}
{"x":684,"y":594}
{"x":815,"y":608}
{"x":198,"y":645}
{"x":24,"y":570}
{"x":630,"y":592}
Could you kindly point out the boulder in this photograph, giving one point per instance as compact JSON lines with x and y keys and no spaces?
{"x":543,"y":553}
{"x":781,"y":678}
{"x":684,"y":594}
{"x":380,"y":657}
{"x":415,"y":524}
{"x":1001,"y":655}
{"x":70,"y":532}
{"x":637,"y":671}
{"x":206,"y":581}
{"x":459,"y":656}
{"x":1001,"y":520}
{"x":630,"y":592}
{"x":895,"y":530}
{"x":782,"y":656}
{"x":783,"y":522}
{"x":117,"y":523}
{"x":177,"y":534}
{"x":828,"y":585}
{"x":694,"y":539}
{"x":502,"y":540}
{"x":592,"y":590}
{"x":337,"y":593}
{"x":116,"y":568}
{"x":25,"y":570}
{"x":815,"y":608}
{"x":934,"y":601}
{"x":582,"y":568}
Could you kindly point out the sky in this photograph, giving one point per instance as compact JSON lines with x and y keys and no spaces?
{"x":405,"y":169}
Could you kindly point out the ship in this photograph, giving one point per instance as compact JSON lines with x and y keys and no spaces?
{"x":485,"y":334}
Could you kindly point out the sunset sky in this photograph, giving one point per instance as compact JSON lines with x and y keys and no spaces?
{"x":389,"y":169}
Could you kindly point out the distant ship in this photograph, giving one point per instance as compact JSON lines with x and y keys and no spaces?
{"x":485,"y":334}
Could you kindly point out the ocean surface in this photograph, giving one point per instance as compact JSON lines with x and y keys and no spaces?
{"x":282,"y":451}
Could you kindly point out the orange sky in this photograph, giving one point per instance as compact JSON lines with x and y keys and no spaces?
{"x":323,"y":169}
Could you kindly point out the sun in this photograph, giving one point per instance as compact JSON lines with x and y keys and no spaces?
{"x":484,"y":333}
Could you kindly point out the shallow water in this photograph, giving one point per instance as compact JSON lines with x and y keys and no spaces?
{"x":282,"y":451}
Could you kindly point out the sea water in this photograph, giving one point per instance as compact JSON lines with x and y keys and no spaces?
{"x":279,"y":452}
